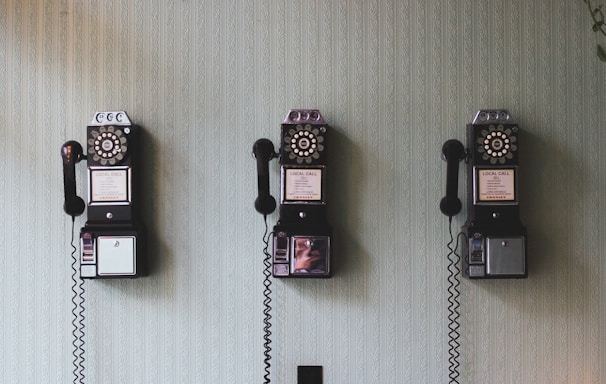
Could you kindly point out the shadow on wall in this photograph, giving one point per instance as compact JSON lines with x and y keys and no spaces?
{"x":158,"y":255}
{"x":349,"y":256}
{"x":350,"y":260}
{"x":550,"y":176}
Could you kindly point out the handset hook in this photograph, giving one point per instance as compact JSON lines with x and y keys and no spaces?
{"x":263,"y":150}
{"x":453,"y":152}
{"x":71,"y":153}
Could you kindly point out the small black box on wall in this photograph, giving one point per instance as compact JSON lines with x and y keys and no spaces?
{"x":309,"y":374}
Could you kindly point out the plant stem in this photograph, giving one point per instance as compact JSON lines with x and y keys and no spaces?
{"x":597,"y":16}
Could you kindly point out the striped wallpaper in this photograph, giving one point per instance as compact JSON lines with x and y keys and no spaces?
{"x":395,"y":79}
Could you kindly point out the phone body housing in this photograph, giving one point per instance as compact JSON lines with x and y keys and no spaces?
{"x":112,"y":241}
{"x":496,"y":238}
{"x":302,"y":236}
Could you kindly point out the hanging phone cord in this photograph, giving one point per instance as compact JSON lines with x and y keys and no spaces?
{"x":453,"y":306}
{"x":266,"y":303}
{"x":78,"y":316}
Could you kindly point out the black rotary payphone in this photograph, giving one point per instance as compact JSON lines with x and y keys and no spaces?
{"x":112,"y":241}
{"x":302,"y":235}
{"x":496,"y":238}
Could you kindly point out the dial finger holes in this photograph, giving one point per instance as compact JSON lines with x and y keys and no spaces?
{"x":303,"y":143}
{"x":496,"y":143}
{"x":107,"y":143}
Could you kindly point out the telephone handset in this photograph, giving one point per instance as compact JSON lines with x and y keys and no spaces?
{"x":263,"y":149}
{"x":71,"y":153}
{"x":453,"y":152}
{"x":496,"y":238}
{"x":302,"y":236}
{"x":112,"y":240}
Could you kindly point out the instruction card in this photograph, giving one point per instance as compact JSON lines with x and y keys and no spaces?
{"x":496,"y":185}
{"x":303,"y":184}
{"x":109,"y":185}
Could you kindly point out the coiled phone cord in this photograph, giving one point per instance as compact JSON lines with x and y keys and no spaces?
{"x":453,"y":307}
{"x":78,"y":316}
{"x":266,"y":304}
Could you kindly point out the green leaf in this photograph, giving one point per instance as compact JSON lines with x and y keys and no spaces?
{"x":601,"y":53}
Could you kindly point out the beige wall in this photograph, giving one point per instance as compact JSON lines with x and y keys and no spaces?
{"x":395,"y":79}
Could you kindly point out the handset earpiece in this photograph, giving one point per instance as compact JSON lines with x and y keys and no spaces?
{"x":263,"y":150}
{"x":71,"y":153}
{"x":454,"y":152}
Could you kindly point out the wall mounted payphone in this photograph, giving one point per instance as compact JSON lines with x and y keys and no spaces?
{"x":112,"y":241}
{"x":302,"y":235}
{"x":495,"y":244}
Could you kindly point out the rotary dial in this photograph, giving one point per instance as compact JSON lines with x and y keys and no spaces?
{"x":304,"y":143}
{"x":107,"y":145}
{"x":497,"y":144}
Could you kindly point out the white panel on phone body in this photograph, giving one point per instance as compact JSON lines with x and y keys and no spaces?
{"x":88,"y":270}
{"x":116,"y":255}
